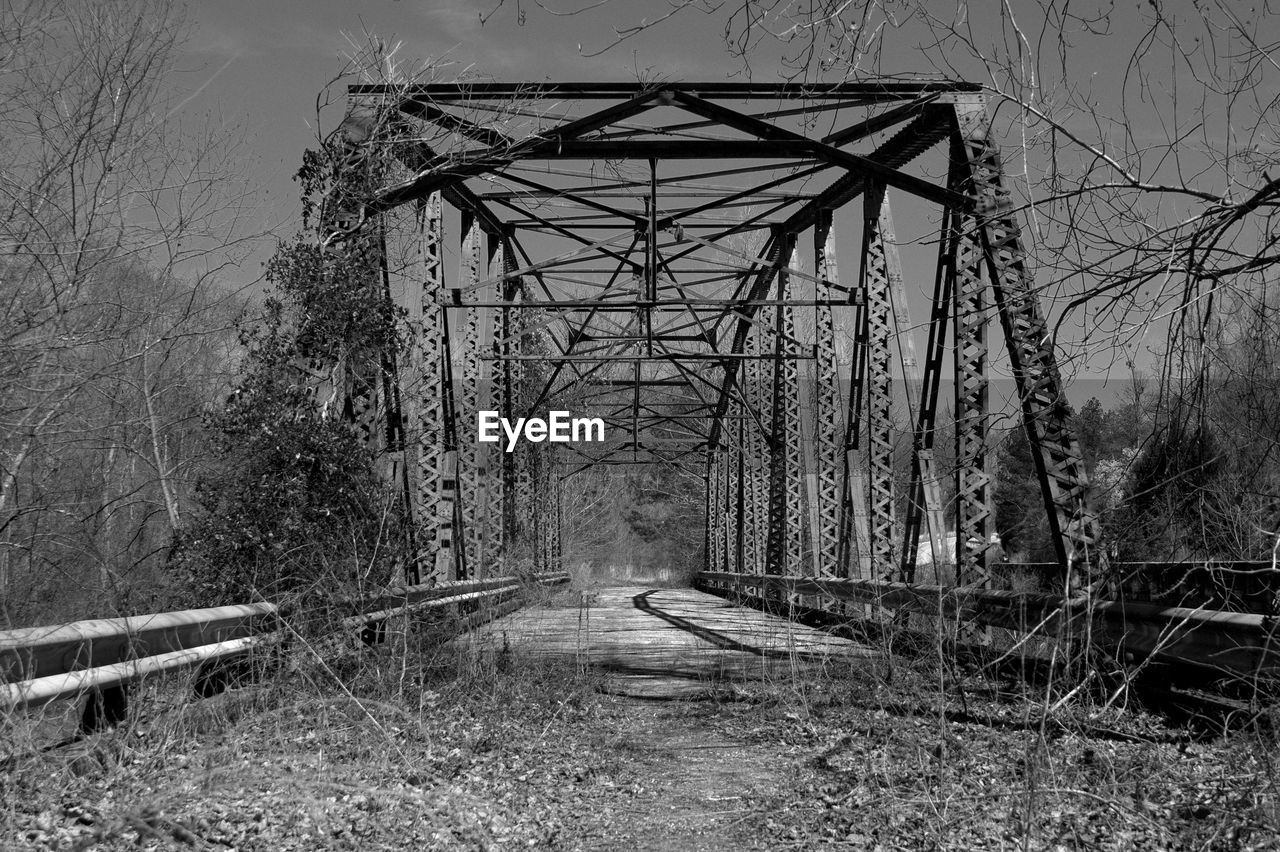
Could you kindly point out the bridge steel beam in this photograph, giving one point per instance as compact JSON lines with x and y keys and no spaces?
{"x":972,"y":478}
{"x":785,"y":476}
{"x":828,"y":454}
{"x":493,"y":524}
{"x":755,"y":441}
{"x":879,"y":264}
{"x":1073,"y":526}
{"x":507,"y":382}
{"x":673,"y":317}
{"x":732,"y":496}
{"x":789,"y":388}
{"x":470,"y":498}
{"x":436,"y":469}
{"x":715,"y":508}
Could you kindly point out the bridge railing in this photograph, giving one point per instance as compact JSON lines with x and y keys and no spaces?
{"x":1231,"y":585}
{"x":43,"y":664}
{"x":1244,"y":644}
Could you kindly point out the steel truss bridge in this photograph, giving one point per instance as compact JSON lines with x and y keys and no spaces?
{"x":665,"y":257}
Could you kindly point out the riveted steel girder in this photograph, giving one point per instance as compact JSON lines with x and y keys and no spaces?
{"x":877,"y":258}
{"x":436,"y":470}
{"x":494,"y":393}
{"x":785,"y":475}
{"x":972,"y":415}
{"x":1059,"y":462}
{"x":468,"y":351}
{"x":645,"y":289}
{"x":828,"y":432}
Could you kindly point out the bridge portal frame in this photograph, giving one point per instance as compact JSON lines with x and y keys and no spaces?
{"x":732,"y":354}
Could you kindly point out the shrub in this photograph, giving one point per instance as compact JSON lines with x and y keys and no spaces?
{"x":294,"y":507}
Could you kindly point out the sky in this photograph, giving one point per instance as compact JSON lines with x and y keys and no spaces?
{"x":260,"y":65}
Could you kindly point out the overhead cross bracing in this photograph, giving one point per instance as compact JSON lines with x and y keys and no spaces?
{"x":644,"y":251}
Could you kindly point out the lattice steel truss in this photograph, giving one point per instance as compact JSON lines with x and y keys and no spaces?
{"x":634,"y":252}
{"x":828,"y":450}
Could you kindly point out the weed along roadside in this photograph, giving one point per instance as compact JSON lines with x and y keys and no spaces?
{"x":620,"y":716}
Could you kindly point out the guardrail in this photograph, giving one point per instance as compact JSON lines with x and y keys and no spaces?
{"x":100,"y":657}
{"x":1229,"y":585}
{"x":1243,"y":644}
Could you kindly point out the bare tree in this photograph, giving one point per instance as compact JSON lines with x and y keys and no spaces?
{"x":1152,"y":187}
{"x":115,"y":222}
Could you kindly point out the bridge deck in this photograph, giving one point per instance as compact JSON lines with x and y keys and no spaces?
{"x":666,"y":643}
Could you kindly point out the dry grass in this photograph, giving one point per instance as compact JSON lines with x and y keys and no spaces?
{"x":414,"y":744}
{"x":346,"y":750}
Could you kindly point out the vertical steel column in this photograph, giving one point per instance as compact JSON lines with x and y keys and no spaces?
{"x":973,"y":479}
{"x":742,"y":491}
{"x":828,"y":452}
{"x":811,"y":565}
{"x":806,"y":435}
{"x":468,"y":353}
{"x":716,"y":505}
{"x":435,"y":468}
{"x":727,"y":514}
{"x":524,"y":461}
{"x":875,"y":278}
{"x":854,"y":529}
{"x":794,"y":434}
{"x":755,"y":448}
{"x":492,"y":377}
{"x":1059,"y":462}
{"x":507,"y":384}
{"x":732,"y":489}
{"x":451,"y":524}
{"x":785,"y":536}
{"x":708,"y":513}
